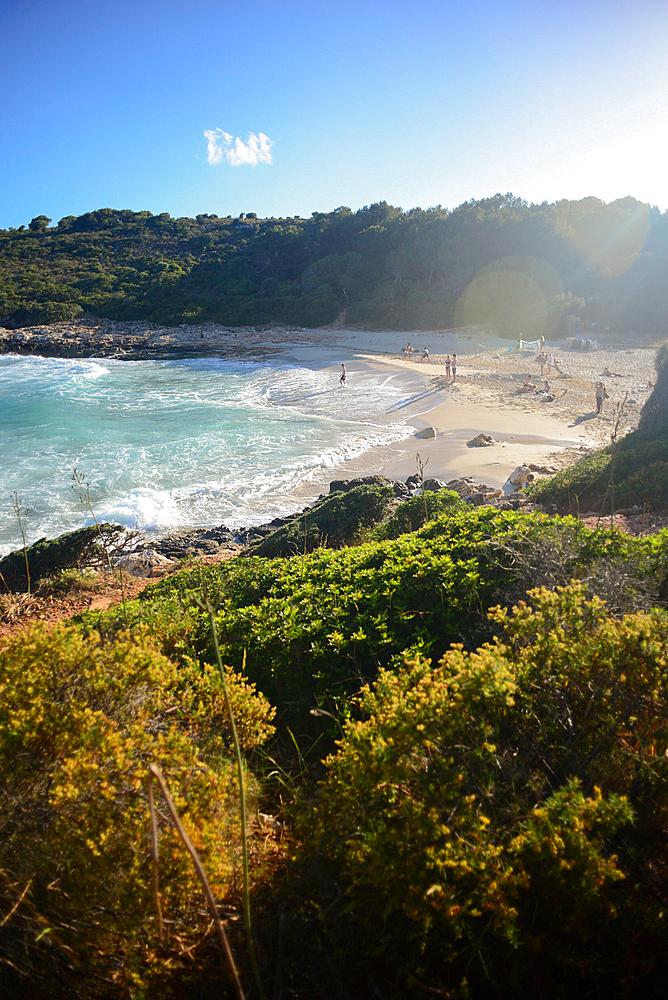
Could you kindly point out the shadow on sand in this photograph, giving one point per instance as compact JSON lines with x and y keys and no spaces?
{"x":581,"y":420}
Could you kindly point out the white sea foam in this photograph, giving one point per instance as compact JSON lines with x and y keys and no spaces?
{"x":178,"y":443}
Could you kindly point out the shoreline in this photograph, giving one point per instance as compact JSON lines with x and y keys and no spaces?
{"x":484,"y":399}
{"x":458,"y":415}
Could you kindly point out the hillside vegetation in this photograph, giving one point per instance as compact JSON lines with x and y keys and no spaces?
{"x":498,"y":261}
{"x":461,"y":801}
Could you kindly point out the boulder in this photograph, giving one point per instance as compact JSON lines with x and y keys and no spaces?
{"x":434,"y":485}
{"x":520,"y":476}
{"x":147,"y":563}
{"x":401,"y":491}
{"x":345,"y":485}
{"x":477,"y":499}
{"x":426,"y":433}
{"x":481,"y":441}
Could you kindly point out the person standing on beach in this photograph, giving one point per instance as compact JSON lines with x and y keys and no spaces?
{"x":343,"y":376}
{"x":448,"y":365}
{"x":454,"y":367}
{"x":601,"y":394}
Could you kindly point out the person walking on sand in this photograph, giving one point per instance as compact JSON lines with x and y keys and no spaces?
{"x":601,"y":394}
{"x":343,"y":376}
{"x":425,"y":354}
{"x":408,"y":350}
{"x":448,"y":365}
{"x":454,"y":367}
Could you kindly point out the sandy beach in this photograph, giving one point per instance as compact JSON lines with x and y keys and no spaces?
{"x":484,"y":398}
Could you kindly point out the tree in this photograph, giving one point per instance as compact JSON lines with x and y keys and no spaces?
{"x":39,"y":223}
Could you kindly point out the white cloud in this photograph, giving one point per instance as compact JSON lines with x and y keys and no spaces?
{"x":222,"y":146}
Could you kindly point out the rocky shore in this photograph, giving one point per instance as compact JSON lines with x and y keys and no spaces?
{"x":156,"y":557}
{"x":135,"y":341}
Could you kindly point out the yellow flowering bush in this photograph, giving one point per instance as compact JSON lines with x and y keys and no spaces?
{"x":490,"y":807}
{"x":79,"y":723}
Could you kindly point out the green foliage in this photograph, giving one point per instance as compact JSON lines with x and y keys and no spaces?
{"x":72,"y":550}
{"x":497,"y":260}
{"x":641,"y":476}
{"x":489,"y":827}
{"x":410,"y":515}
{"x":475,"y":809}
{"x":313,"y":626}
{"x":654,"y":415}
{"x":79,"y":723}
{"x":39,"y":224}
{"x":332,"y":521}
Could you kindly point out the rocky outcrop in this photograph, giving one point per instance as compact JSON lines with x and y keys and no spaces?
{"x":333,"y":521}
{"x":345,"y":485}
{"x":94,"y":337}
{"x":427,"y":433}
{"x":198,"y":542}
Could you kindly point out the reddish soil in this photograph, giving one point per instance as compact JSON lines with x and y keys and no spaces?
{"x":19,"y":610}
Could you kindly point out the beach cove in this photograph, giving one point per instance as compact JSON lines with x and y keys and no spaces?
{"x":386,"y":401}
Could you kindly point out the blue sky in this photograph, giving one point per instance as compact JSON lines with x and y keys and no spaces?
{"x":106,"y":104}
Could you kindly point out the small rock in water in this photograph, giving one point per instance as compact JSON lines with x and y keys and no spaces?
{"x":481,"y":441}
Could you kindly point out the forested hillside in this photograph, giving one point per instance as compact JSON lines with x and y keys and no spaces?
{"x":519,"y":268}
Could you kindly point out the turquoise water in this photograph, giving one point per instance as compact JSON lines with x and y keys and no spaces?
{"x":179,"y":443}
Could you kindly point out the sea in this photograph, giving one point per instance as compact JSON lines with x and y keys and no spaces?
{"x":178,"y":443}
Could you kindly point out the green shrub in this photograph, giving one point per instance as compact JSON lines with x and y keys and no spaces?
{"x":412,"y":514}
{"x":72,"y":550}
{"x":333,"y":521}
{"x":314,"y":627}
{"x":640,"y":463}
{"x":641,"y":476}
{"x":475,"y":810}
